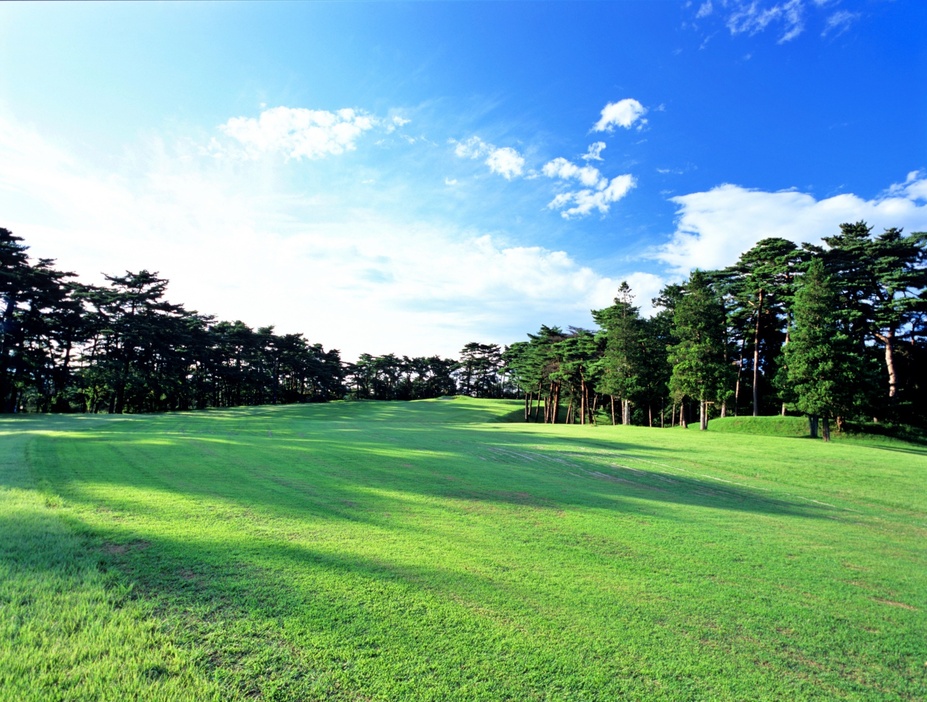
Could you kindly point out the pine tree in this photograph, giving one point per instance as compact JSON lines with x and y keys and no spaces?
{"x":820,"y":358}
{"x":700,"y":368}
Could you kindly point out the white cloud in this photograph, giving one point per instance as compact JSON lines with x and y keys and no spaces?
{"x":623,"y":113}
{"x":839,"y":22}
{"x":563,"y":169}
{"x":788,"y":19}
{"x":299,"y":132}
{"x":504,"y":161}
{"x":913,"y":188}
{"x":713,"y":228}
{"x":594,"y":152}
{"x":474,"y":147}
{"x":754,"y":17}
{"x":598,"y":194}
{"x":236,"y":242}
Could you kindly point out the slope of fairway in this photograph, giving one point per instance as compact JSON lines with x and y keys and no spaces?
{"x":429,"y":551}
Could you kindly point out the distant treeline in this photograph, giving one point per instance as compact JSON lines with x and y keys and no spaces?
{"x":67,"y":346}
{"x":833,"y":332}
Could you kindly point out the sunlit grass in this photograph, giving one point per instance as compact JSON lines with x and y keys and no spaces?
{"x":427,"y":551}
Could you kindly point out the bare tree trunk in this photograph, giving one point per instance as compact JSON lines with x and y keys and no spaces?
{"x":703,"y":415}
{"x":813,"y":425}
{"x":825,"y":426}
{"x":613,"y":409}
{"x":682,"y":415}
{"x":889,"y":340}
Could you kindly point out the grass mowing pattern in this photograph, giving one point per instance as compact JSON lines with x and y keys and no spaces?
{"x":426,"y":551}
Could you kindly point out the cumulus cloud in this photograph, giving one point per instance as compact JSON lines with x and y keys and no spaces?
{"x":713,"y":228}
{"x":299,"y":132}
{"x":504,"y":161}
{"x":623,"y":113}
{"x":598,"y":192}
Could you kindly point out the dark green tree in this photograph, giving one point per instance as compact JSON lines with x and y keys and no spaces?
{"x":820,"y":359}
{"x":622,"y":365}
{"x":759,"y":287}
{"x":699,"y":357}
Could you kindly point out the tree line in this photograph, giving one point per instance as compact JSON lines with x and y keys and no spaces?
{"x":70,"y":347}
{"x":834,"y":332}
{"x":66,"y":346}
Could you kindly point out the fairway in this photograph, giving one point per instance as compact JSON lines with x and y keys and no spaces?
{"x":443,"y":550}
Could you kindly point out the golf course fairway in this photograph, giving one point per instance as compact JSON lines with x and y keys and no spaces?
{"x":444,"y":550}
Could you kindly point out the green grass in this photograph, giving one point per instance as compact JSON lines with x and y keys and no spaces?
{"x":767,"y":426}
{"x":428,"y":551}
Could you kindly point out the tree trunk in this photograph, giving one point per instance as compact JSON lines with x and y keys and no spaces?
{"x":813,"y":425}
{"x":613,"y":410}
{"x":889,"y":340}
{"x":682,"y":415}
{"x":825,"y":426}
{"x":740,"y":372}
{"x":582,"y":401}
{"x":703,"y":415}
{"x":756,"y":356}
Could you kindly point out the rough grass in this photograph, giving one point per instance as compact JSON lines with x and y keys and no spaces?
{"x":427,"y":551}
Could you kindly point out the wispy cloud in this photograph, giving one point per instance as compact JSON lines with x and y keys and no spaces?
{"x":754,"y":17}
{"x":504,"y":161}
{"x":787,"y":19}
{"x":594,"y":152}
{"x":299,"y":132}
{"x":839,"y":22}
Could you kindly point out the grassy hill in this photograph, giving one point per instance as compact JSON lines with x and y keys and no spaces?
{"x":435,"y":551}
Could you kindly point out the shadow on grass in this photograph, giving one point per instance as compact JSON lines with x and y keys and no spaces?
{"x":321,"y":470}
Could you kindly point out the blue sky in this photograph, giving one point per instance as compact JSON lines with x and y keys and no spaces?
{"x":409,"y":177}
